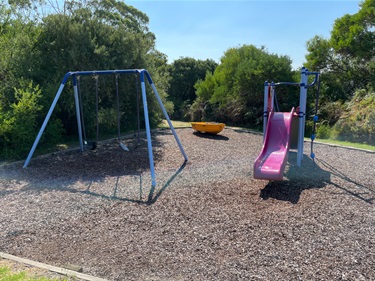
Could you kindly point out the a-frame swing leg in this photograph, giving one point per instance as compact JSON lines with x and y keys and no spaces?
{"x":148,"y":131}
{"x":78,"y":112}
{"x":169,"y":122}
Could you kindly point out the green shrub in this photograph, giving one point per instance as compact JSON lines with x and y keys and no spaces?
{"x":19,"y":124}
{"x":323,"y":131}
{"x":52,"y":135}
{"x":331,"y":112}
{"x":357,"y":124}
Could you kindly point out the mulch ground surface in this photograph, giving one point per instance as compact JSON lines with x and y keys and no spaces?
{"x":206,"y":219}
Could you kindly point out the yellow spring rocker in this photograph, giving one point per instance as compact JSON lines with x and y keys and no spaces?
{"x":208,"y":127}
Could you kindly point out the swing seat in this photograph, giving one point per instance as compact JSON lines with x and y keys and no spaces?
{"x":90,"y":145}
{"x":123,"y":146}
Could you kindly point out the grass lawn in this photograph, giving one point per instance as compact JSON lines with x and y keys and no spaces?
{"x":8,"y":274}
{"x":347,"y":144}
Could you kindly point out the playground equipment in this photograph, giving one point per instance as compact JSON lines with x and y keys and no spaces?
{"x":122,"y":145}
{"x":75,"y":77}
{"x":208,"y":127}
{"x":93,"y":144}
{"x":283,"y":130}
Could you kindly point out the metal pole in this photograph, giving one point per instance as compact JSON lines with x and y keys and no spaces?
{"x":81,"y":108}
{"x":148,"y":132}
{"x":57,"y":96}
{"x":265,"y":108}
{"x":97,"y":107}
{"x":166,"y":116}
{"x":138,"y":120}
{"x":302,"y":114}
{"x":78,"y":112}
{"x":272,"y":93}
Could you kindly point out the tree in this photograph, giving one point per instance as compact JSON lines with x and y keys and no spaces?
{"x":84,"y":35}
{"x":358,"y":122}
{"x":234,"y":93}
{"x":98,"y":35}
{"x":354,"y":35}
{"x":347,"y":63}
{"x":184,"y":73}
{"x":347,"y":57}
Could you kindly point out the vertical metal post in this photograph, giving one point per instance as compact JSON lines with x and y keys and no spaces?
{"x":302,"y":114}
{"x":78,"y":112}
{"x":57,"y":96}
{"x":272,"y":93}
{"x":148,"y":131}
{"x":138,"y":121}
{"x":265,"y":108}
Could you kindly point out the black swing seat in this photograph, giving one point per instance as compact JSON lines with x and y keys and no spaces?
{"x":90,"y":145}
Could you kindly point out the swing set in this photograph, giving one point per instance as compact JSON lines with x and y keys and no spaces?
{"x":141,"y":76}
{"x":93,"y":144}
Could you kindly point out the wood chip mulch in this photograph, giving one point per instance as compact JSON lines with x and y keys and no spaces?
{"x":207,"y":219}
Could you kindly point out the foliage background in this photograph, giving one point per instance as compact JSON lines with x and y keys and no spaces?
{"x":38,"y":47}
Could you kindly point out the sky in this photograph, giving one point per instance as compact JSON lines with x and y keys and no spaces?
{"x":205,"y":29}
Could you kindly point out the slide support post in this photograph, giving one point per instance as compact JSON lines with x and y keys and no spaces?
{"x":302,"y":114}
{"x":265,"y":108}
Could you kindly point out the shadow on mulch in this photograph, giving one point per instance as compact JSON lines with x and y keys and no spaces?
{"x":344,"y":177}
{"x":59,"y":171}
{"x":152,"y":195}
{"x":211,"y":136}
{"x":310,"y":175}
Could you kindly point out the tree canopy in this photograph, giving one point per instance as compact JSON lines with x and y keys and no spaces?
{"x":184,"y":73}
{"x":234,"y":92}
{"x":37,"y":51}
{"x":40,"y":41}
{"x":347,"y":63}
{"x":347,"y":57}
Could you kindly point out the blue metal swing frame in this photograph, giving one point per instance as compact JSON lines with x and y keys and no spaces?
{"x":142,"y":73}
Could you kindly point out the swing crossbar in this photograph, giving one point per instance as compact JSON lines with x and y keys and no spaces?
{"x":142,"y":73}
{"x":107,"y":72}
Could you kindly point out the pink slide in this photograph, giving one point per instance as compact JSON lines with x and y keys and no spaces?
{"x":270,"y":164}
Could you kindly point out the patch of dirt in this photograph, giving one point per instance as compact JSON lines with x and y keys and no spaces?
{"x":207,"y":219}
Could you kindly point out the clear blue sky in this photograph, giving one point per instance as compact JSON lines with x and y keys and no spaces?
{"x":206,"y":29}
